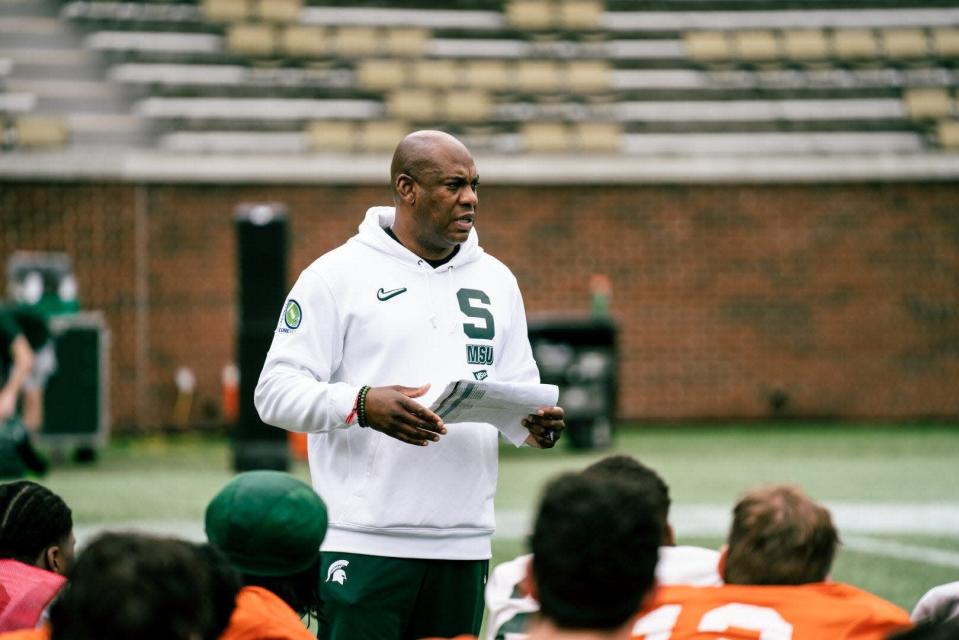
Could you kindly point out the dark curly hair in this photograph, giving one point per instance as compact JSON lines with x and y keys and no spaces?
{"x":32,"y":519}
{"x":595,"y":546}
{"x":628,"y":467}
{"x":130,"y":585}
{"x":300,"y":590}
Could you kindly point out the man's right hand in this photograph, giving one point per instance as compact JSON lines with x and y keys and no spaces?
{"x":393,"y":411}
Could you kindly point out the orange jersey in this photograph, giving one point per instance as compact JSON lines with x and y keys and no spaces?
{"x":817,"y":611}
{"x":262,"y":615}
{"x":43,"y":633}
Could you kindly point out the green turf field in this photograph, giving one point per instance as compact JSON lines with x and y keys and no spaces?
{"x":892,"y":488}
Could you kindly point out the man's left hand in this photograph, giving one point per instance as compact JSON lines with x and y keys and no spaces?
{"x":545,"y":427}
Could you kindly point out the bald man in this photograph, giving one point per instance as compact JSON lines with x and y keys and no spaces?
{"x":411,"y":301}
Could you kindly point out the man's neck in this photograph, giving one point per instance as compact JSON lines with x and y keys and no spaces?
{"x":433,"y":262}
{"x":544,"y":629}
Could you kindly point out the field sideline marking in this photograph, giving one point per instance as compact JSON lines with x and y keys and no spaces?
{"x":901,"y":551}
{"x":856,"y":522}
{"x":850,"y":518}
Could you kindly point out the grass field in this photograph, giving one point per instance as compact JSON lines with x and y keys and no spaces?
{"x":892,"y":488}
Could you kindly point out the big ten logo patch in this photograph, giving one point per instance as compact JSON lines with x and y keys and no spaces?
{"x":479,"y":354}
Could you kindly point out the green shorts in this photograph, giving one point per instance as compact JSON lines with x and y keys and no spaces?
{"x":373,"y":597}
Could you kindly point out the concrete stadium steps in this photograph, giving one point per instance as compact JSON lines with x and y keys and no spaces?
{"x":67,"y":81}
{"x":116,"y":130}
{"x":860,"y":18}
{"x":11,"y":102}
{"x":52,"y":63}
{"x":28,"y":8}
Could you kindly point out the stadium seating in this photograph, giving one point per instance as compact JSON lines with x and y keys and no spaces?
{"x":553,"y":76}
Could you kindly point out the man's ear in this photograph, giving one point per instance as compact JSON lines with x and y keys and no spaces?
{"x":53,"y":559}
{"x":669,"y":536}
{"x":528,"y":583}
{"x":406,"y":188}
{"x":721,"y":568}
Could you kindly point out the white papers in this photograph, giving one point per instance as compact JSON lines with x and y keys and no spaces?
{"x":501,"y":404}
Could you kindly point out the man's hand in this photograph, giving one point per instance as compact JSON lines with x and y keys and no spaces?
{"x":392,"y":411}
{"x":545,"y":427}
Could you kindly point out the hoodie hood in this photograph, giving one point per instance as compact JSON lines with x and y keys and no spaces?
{"x":371,"y":233}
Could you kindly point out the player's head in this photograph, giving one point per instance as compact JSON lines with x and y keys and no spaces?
{"x":779,"y":536}
{"x":270,"y":525}
{"x":435,"y":184}
{"x":595,"y":545}
{"x":129,"y":585}
{"x":656,"y":490}
{"x":36,"y":526}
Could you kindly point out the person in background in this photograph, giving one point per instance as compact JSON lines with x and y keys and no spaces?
{"x":269,"y":525}
{"x":510,"y":606}
{"x":23,"y":375}
{"x":595,"y":545}
{"x":36,"y":549}
{"x":775,"y":566}
{"x":939,"y":604}
{"x":132,"y":585}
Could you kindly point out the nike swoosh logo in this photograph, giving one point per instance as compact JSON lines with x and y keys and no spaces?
{"x":383,"y":296}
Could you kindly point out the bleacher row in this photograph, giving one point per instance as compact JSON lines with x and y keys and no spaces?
{"x":553,"y":76}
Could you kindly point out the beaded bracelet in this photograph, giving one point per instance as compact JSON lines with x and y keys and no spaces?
{"x":361,"y":406}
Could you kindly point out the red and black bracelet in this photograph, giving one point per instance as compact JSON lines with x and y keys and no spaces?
{"x":359,"y":407}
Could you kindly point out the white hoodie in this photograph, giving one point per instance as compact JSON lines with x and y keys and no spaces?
{"x":371,"y":312}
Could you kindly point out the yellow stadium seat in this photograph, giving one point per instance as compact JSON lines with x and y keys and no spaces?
{"x":805,"y":45}
{"x":756,"y":45}
{"x":467,"y":106}
{"x":355,"y":42}
{"x":904,"y":43}
{"x":529,"y":14}
{"x":249,"y":38}
{"x":923,"y":104}
{"x":40,"y":131}
{"x":333,"y":135}
{"x":226,"y":10}
{"x":536,"y":76}
{"x":436,"y":74}
{"x":588,"y":76}
{"x":546,"y":137}
{"x":598,"y":136}
{"x":945,"y":42}
{"x":707,"y":46}
{"x":854,"y":44}
{"x":415,"y":105}
{"x":383,"y":135}
{"x":279,"y":10}
{"x":493,"y":75}
{"x":405,"y":42}
{"x":581,"y":14}
{"x":305,"y":41}
{"x":948,"y":134}
{"x":379,"y":74}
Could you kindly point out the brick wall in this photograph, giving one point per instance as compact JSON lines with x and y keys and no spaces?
{"x":820,"y":300}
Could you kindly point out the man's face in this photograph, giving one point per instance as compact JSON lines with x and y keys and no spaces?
{"x":446,"y":199}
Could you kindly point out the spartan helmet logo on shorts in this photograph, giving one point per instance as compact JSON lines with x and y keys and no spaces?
{"x":337,"y":571}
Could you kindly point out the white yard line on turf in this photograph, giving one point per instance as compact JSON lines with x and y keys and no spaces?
{"x":901,"y":551}
{"x":856,"y":522}
{"x":850,"y":518}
